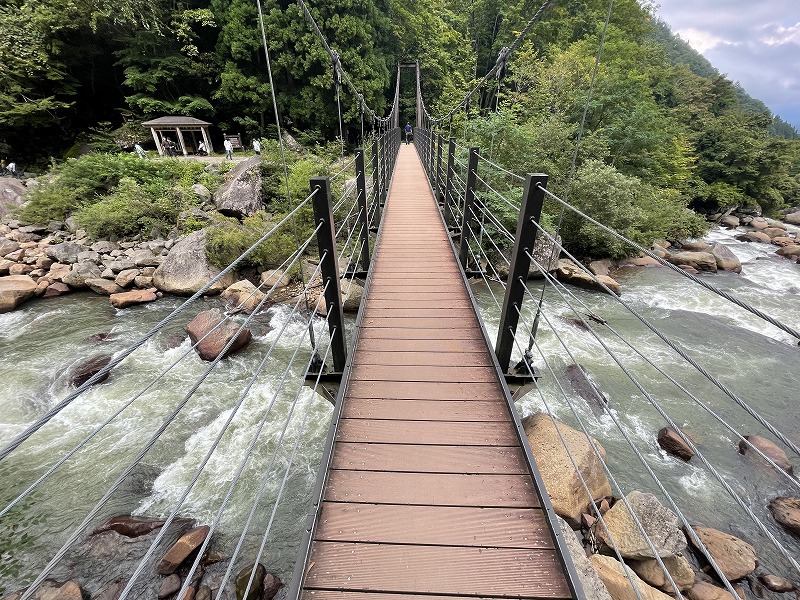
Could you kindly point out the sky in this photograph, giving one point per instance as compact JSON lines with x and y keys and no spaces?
{"x":754,"y":42}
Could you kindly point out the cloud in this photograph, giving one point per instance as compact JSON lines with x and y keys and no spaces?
{"x":756,"y":44}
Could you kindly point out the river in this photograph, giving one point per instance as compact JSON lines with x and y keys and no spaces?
{"x":44,"y":339}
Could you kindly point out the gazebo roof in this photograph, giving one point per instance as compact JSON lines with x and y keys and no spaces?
{"x":176,"y":122}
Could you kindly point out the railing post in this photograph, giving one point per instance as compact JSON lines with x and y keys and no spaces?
{"x":376,"y":184}
{"x":361,"y":187}
{"x":431,"y":154}
{"x":448,"y":186}
{"x":438,"y":171}
{"x":469,"y":198}
{"x":384,"y":168}
{"x":326,"y":240}
{"x":530,"y":212}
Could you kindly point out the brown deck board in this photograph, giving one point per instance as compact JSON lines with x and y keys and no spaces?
{"x":425,"y":410}
{"x":429,"y":495}
{"x":499,"y":572}
{"x":432,"y":489}
{"x":427,"y":432}
{"x":470,"y":460}
{"x":434,"y":525}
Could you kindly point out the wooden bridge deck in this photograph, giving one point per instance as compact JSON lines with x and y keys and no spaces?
{"x":429,"y":492}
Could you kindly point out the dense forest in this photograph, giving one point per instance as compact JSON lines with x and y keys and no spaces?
{"x":664,"y":130}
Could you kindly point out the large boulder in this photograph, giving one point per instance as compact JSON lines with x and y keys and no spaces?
{"x":702,"y":590}
{"x":185,"y":270}
{"x":734,"y":557}
{"x":52,"y":590}
{"x":243,"y":295}
{"x":182,"y":549}
{"x":14,"y":290}
{"x":104,"y":287}
{"x":729,"y":221}
{"x":702,"y":261}
{"x":791,"y":251}
{"x":7,"y":246}
{"x":754,"y":236}
{"x":80,"y":272}
{"x":593,"y":587}
{"x":726,"y":259}
{"x":240,"y":195}
{"x":672,"y":443}
{"x":768,"y":448}
{"x":678,"y":567}
{"x":213,"y":342}
{"x":256,"y":587}
{"x":126,"y":299}
{"x":563,"y":484}
{"x":618,"y":584}
{"x":12,"y":193}
{"x":659,"y":523}
{"x":86,"y":369}
{"x":129,"y":526}
{"x":66,"y":252}
{"x":786,"y":511}
{"x":569,"y":272}
{"x":793,"y":218}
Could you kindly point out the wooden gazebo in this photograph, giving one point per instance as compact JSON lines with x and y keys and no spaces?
{"x":179,"y":125}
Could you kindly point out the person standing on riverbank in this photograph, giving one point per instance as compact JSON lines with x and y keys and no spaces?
{"x":228,"y":149}
{"x":257,"y":146}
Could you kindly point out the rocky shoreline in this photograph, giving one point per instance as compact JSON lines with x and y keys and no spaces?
{"x":596,"y":544}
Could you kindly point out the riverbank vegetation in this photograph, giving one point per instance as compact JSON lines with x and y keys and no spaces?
{"x":663,"y":130}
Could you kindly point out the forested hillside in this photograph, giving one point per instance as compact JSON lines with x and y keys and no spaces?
{"x":662,"y":123}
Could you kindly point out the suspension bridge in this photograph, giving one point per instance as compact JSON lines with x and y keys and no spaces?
{"x":427,"y":485}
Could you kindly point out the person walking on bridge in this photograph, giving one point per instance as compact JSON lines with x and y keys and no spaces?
{"x":408,"y":132}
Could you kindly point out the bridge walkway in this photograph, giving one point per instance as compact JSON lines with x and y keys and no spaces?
{"x":428,"y":491}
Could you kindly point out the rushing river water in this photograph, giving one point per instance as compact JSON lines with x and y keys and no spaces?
{"x":44,"y":339}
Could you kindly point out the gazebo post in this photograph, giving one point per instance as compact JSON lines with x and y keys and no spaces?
{"x":207,"y":139}
{"x":155,"y":139}
{"x":180,"y":139}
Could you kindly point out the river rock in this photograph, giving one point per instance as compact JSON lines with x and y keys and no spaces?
{"x":126,"y":299}
{"x":272,"y":583}
{"x":585,"y":386}
{"x":169,"y":586}
{"x":274,"y":277}
{"x":145,"y":258}
{"x":102,"y":286}
{"x":204,"y":593}
{"x":659,"y":523}
{"x":786,"y":511}
{"x":754,"y":236}
{"x":678,"y":566}
{"x":244,"y":295}
{"x":701,"y":261}
{"x":7,"y":246}
{"x":55,"y":289}
{"x":758,"y":223}
{"x":792,"y":251}
{"x":119,"y":265}
{"x":593,"y":587}
{"x":793,"y":218}
{"x":104,"y":247}
{"x":695,"y":246}
{"x":129,"y":526}
{"x":783,"y":240}
{"x":20,"y":269}
{"x":58,"y":271}
{"x":672,"y":443}
{"x":776,"y":584}
{"x":14,"y":290}
{"x":201,"y":191}
{"x":88,"y":255}
{"x":85,"y":370}
{"x":111,"y":592}
{"x":735,"y":557}
{"x":80,"y":272}
{"x":215,"y":342}
{"x":143,"y":281}
{"x":255,"y":588}
{"x":770,"y":449}
{"x":729,"y":221}
{"x":126,"y":278}
{"x":562,"y":483}
{"x":569,"y":272}
{"x":702,"y":590}
{"x":52,"y":590}
{"x":726,"y":259}
{"x":613,"y":575}
{"x":65,"y":252}
{"x":185,"y":270}
{"x":182,"y":549}
{"x":240,"y":195}
{"x":352,"y":294}
{"x":774,"y":232}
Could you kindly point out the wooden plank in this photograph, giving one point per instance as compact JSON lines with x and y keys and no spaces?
{"x":398,"y":304}
{"x":442,"y":346}
{"x":420,"y":296}
{"x":403,"y":333}
{"x":434,"y":489}
{"x":423,"y":373}
{"x":345,"y":595}
{"x":427,"y":432}
{"x":425,"y":410}
{"x":498,"y":572}
{"x":434,"y":525}
{"x":448,"y":322}
{"x":431,"y":358}
{"x":439,"y":312}
{"x":411,"y":390}
{"x":470,"y":460}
